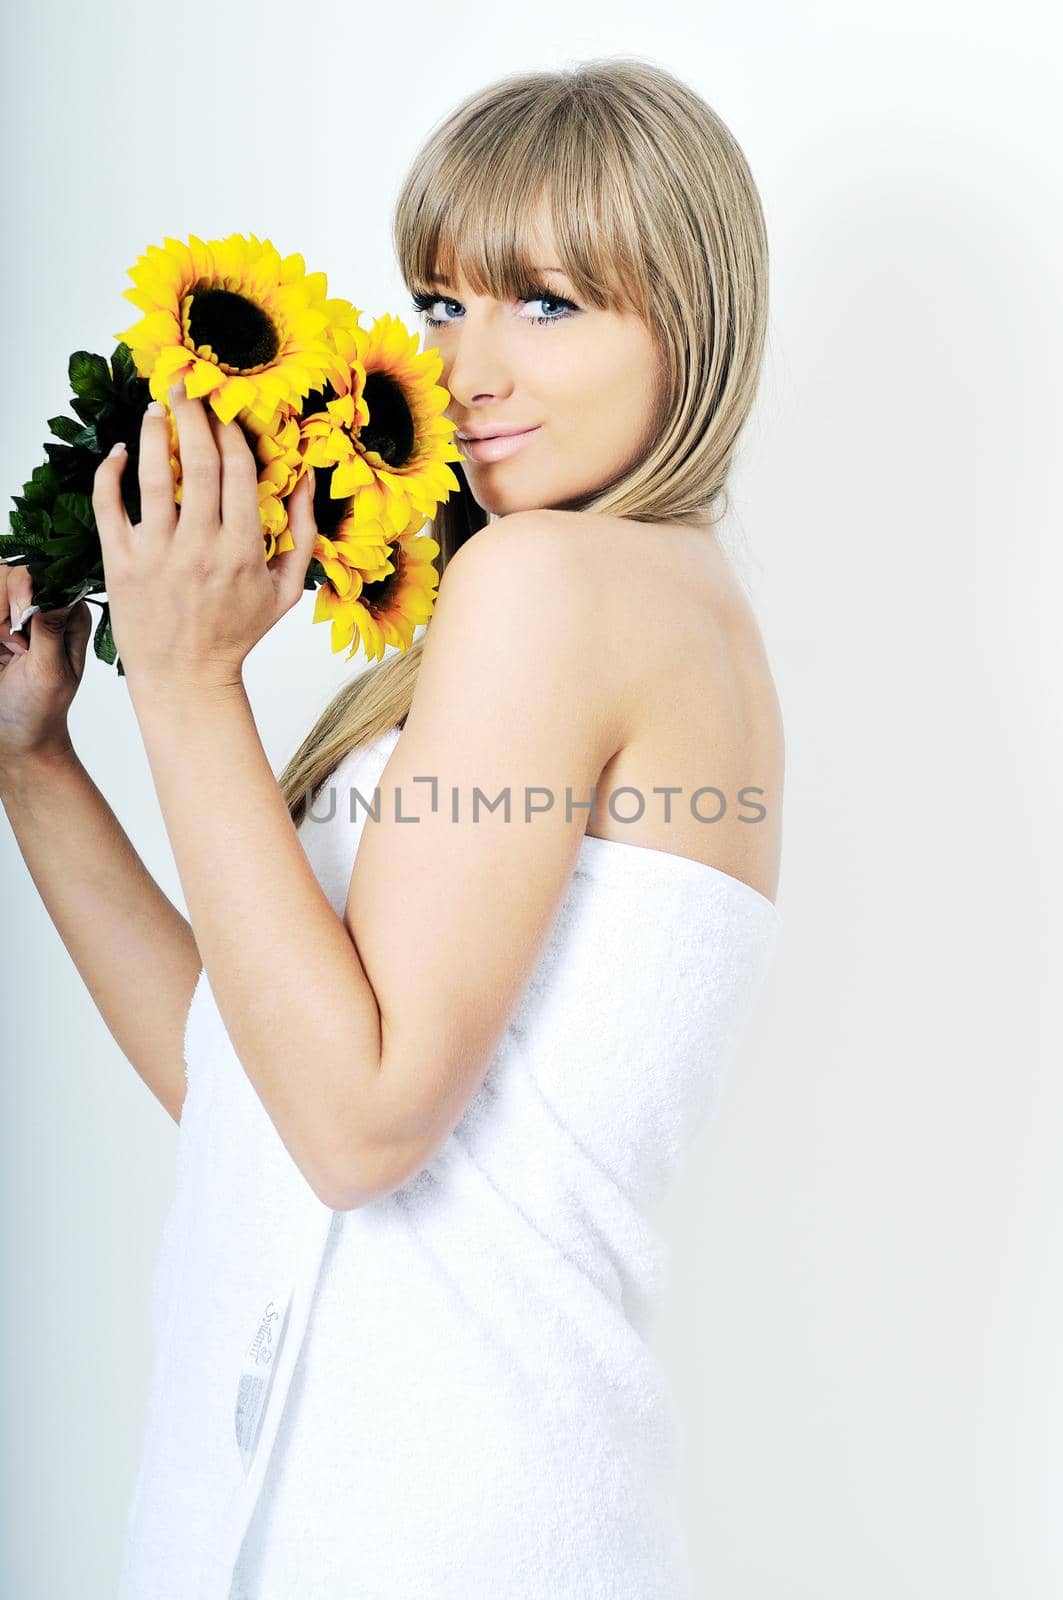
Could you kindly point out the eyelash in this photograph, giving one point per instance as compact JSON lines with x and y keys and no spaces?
{"x":423,"y":302}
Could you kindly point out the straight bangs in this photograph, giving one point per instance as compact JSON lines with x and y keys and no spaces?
{"x":469,"y":206}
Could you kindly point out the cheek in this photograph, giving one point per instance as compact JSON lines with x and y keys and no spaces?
{"x":633,"y":383}
{"x":617,"y":390}
{"x":597,"y":389}
{"x":562,"y":372}
{"x":620,"y":369}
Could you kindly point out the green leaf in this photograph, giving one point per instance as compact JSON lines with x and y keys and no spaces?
{"x":72,"y":513}
{"x":24,"y":539}
{"x":68,"y":545}
{"x":122,"y":363}
{"x":31,"y":534}
{"x":69,"y":431}
{"x":87,"y":409}
{"x":103,"y":639}
{"x":67,"y":570}
{"x":43,"y":486}
{"x":90,"y":375}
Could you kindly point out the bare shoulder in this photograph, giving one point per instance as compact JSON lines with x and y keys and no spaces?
{"x":654,"y":634}
{"x":560,"y":574}
{"x":660,"y":603}
{"x":700,"y":770}
{"x":566,"y":541}
{"x":664,"y":596}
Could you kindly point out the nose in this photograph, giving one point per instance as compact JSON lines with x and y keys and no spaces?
{"x":475,"y":366}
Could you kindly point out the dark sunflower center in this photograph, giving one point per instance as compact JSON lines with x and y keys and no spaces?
{"x":374,"y":596}
{"x":317,"y":400}
{"x":328,"y":514}
{"x":237,"y":330}
{"x":389,"y":430}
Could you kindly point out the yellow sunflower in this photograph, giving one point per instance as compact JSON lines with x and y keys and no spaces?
{"x":384,"y":605}
{"x":278,"y":462}
{"x":386,"y":440}
{"x":348,"y":559}
{"x":240,"y":324}
{"x":278,"y":453}
{"x":341,"y":545}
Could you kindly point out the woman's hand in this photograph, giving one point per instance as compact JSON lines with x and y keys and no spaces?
{"x":38,"y":679}
{"x":189,"y":590}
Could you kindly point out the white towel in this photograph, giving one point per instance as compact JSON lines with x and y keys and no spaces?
{"x":461,"y":1400}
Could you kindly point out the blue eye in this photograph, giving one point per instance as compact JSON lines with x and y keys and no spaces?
{"x":423,"y":302}
{"x":531,"y":295}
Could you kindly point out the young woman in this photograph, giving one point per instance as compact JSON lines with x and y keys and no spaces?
{"x":431,"y":1080}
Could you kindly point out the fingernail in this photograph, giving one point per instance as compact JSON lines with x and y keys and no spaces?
{"x":116,"y":449}
{"x":156,"y":409}
{"x":16,"y":615}
{"x":176,"y":390}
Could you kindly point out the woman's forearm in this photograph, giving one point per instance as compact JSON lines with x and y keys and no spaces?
{"x":282,"y":966}
{"x":133,"y":948}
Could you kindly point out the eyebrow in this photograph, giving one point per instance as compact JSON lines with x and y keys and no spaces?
{"x":438,"y":277}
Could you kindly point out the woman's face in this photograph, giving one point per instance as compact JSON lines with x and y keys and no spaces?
{"x":582,"y":380}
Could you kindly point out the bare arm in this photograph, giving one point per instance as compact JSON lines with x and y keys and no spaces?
{"x":134,"y":950}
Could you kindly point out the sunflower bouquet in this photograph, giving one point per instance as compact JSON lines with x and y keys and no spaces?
{"x":254,"y":334}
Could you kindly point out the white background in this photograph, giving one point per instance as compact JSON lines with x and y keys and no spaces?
{"x":864,"y":1323}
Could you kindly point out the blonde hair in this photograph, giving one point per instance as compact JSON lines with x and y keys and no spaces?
{"x":654,"y":211}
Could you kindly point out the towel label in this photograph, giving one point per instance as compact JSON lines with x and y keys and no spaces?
{"x":256,"y":1374}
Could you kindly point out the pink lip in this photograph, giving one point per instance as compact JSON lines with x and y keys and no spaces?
{"x":498,"y":447}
